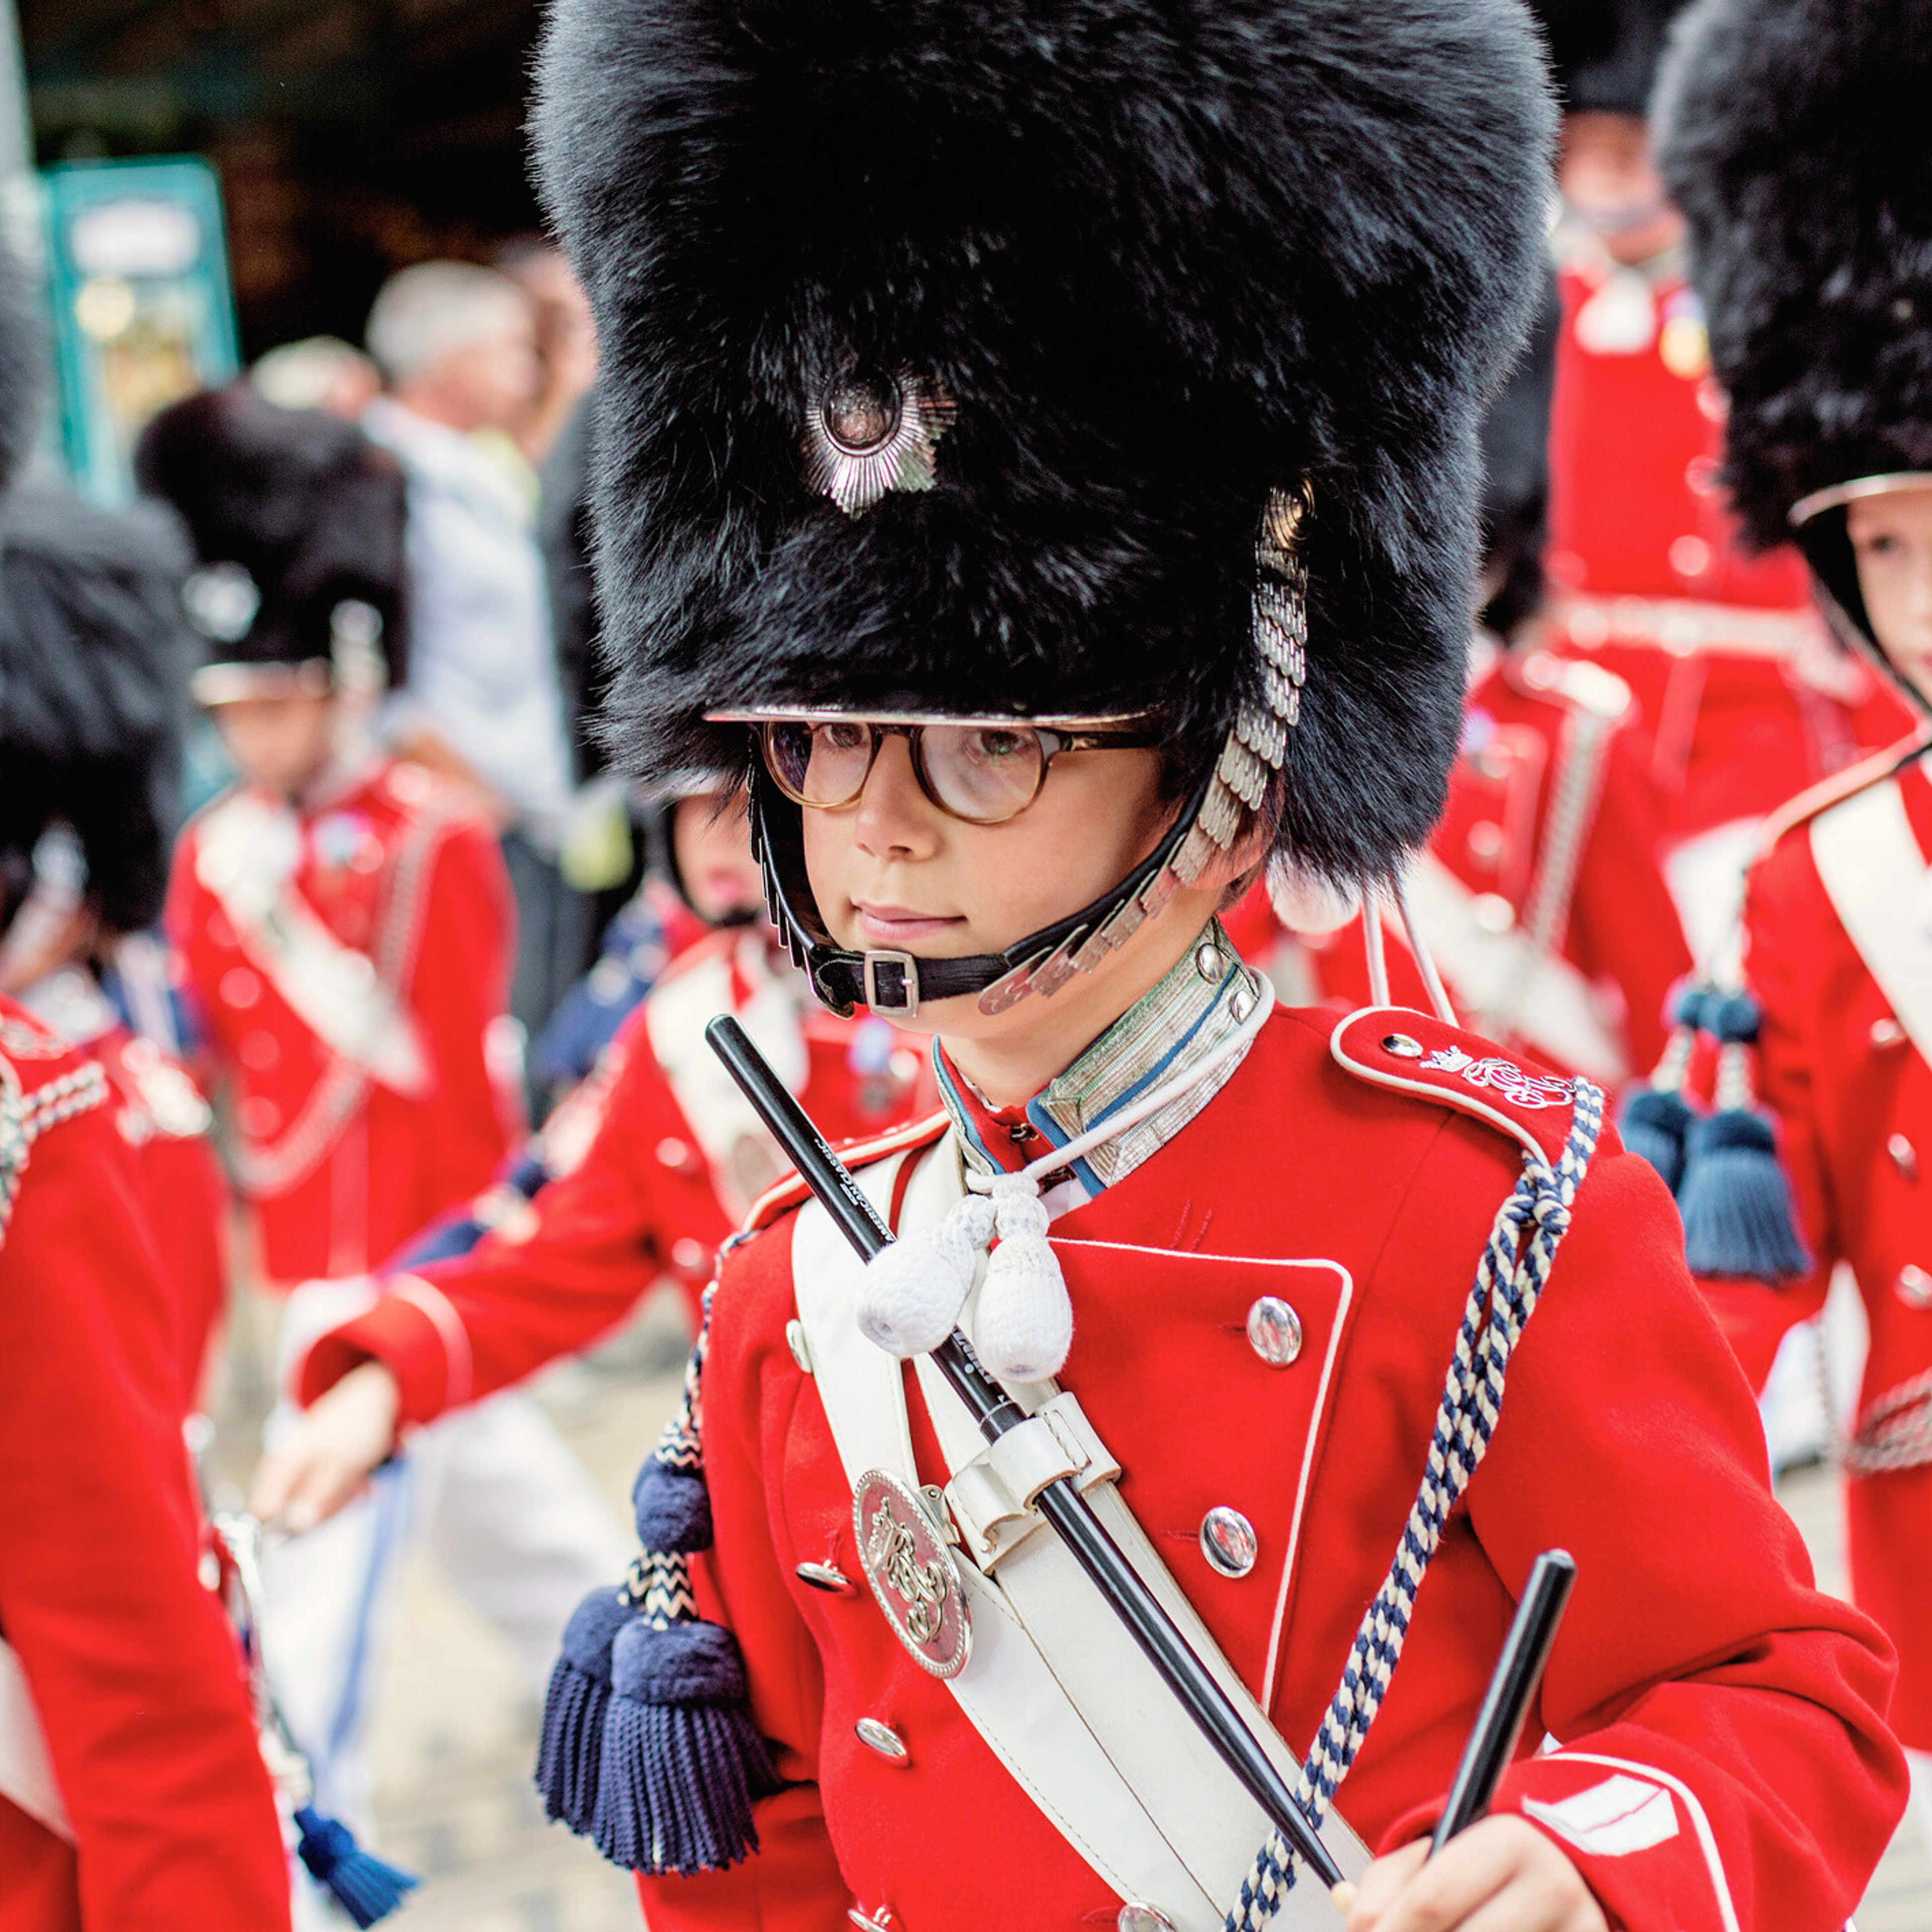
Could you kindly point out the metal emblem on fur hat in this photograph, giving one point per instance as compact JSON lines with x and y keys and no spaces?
{"x":1152,"y":271}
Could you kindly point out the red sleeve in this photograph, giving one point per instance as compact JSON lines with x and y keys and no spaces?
{"x":458,"y":993}
{"x":1724,"y":1760}
{"x":131,"y":1662}
{"x":596,"y":1241}
{"x":1624,"y":923}
{"x":792,"y":1883}
{"x":1787,"y":914}
{"x":183,"y":920}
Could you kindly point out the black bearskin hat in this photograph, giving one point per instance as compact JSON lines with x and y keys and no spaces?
{"x":94,"y":659}
{"x":1605,"y":52}
{"x":1794,"y":135}
{"x":22,"y":366}
{"x":1516,"y":475}
{"x":303,"y":503}
{"x":1099,"y":276}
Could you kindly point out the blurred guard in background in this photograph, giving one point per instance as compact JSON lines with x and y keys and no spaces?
{"x":1745,"y":700}
{"x":132,"y":1793}
{"x":344,"y":923}
{"x":1539,"y":894}
{"x":1793,"y":134}
{"x":94,"y":658}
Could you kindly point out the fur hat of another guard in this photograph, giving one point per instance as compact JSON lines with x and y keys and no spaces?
{"x":1149,"y":261}
{"x":1794,"y":135}
{"x":1605,"y":52}
{"x":94,"y":658}
{"x":1516,"y":475}
{"x":22,"y":366}
{"x":294,"y":515}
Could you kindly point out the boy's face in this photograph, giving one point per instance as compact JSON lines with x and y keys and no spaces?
{"x":1609,"y":180}
{"x":282,"y":741}
{"x":892,"y":871}
{"x":712,"y":839}
{"x":1891,"y":539}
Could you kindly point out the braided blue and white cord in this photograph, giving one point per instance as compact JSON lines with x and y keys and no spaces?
{"x":1509,"y":1283}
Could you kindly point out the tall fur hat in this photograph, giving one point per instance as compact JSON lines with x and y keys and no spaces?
{"x":1143,"y":261}
{"x":94,"y":658}
{"x":303,"y":503}
{"x":1793,"y":135}
{"x":1605,"y":52}
{"x":22,"y":366}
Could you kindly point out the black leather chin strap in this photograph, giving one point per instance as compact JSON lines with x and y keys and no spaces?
{"x":895,"y":985}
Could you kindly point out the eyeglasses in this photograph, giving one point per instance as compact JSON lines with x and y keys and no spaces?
{"x":984,"y":773}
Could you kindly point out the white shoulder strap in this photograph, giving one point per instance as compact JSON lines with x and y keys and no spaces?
{"x":26,"y":1775}
{"x":1880,"y":886}
{"x":1056,"y":1687}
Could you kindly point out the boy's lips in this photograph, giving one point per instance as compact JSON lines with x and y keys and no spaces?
{"x":901,"y":927}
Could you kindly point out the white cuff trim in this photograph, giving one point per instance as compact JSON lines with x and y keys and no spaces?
{"x":459,"y":1365}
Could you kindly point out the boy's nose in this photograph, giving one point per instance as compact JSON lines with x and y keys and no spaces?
{"x":895,"y":815}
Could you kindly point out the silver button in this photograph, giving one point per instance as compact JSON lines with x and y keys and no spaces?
{"x":1914,"y":1285}
{"x":883,"y":1739}
{"x":1904,"y":1155}
{"x":1227,"y":1541}
{"x":675,"y":1154}
{"x":1492,"y":913}
{"x":1274,"y":1331}
{"x":1403,"y":1047}
{"x":1137,"y":1918}
{"x":1209,"y":964}
{"x":1887,"y":1033}
{"x":825,"y":1577}
{"x":801,"y":1349}
{"x":1486,"y":842}
{"x":691,"y":1257}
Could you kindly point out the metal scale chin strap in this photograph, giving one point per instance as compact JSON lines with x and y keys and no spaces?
{"x":1510,"y":1281}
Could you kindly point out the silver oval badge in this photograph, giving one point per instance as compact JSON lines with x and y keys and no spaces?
{"x":907,"y":1563}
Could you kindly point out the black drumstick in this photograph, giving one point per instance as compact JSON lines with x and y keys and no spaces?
{"x":1512,"y":1689}
{"x":1060,"y":1503}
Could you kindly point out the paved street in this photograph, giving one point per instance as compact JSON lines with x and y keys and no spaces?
{"x":455,"y":1736}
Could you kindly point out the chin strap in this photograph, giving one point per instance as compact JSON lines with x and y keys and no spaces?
{"x":895,"y":985}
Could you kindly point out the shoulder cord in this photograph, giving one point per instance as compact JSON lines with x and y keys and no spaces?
{"x":24,"y":1117}
{"x":1510,"y":1281}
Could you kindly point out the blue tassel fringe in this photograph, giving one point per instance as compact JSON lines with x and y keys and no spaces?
{"x":571,"y":1746}
{"x":365,"y":1888}
{"x":1738,"y":1220}
{"x":683,"y":1762}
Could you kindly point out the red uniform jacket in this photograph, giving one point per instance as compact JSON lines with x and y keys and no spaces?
{"x":657,"y":1159}
{"x":1852,"y":1090}
{"x":1697,"y":1660}
{"x":1746,"y":702}
{"x":1552,"y":829}
{"x":131,"y":1664}
{"x":361,"y":1053}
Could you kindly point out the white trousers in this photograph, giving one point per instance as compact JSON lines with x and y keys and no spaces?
{"x":511,"y":1517}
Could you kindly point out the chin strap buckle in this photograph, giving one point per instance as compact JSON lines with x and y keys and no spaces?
{"x":892,"y":985}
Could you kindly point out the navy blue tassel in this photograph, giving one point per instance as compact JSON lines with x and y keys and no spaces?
{"x":1738,"y":1220}
{"x":1654,"y":1124}
{"x":575,"y":1707}
{"x":364,"y":1887}
{"x":673,"y":1508}
{"x":683,"y":1763}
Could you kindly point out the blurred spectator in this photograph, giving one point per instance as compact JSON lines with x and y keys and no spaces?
{"x":458,"y":347}
{"x":320,"y":372}
{"x":566,"y":338}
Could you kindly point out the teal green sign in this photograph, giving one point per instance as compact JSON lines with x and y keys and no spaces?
{"x":144,"y":312}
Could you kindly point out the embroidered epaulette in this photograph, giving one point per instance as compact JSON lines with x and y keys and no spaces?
{"x":43,"y":1082}
{"x":1835,"y":790}
{"x":791,"y":1191}
{"x":1410,"y":1052}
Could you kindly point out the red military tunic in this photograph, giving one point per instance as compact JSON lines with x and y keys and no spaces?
{"x":1851,"y":1085}
{"x":129,"y":1662}
{"x":1745,"y":700}
{"x":351,"y":961}
{"x":1698,"y":1663}
{"x":1541,"y":897}
{"x":656,"y":1159}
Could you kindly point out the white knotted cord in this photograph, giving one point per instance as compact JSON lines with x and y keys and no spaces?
{"x":916,"y":1287}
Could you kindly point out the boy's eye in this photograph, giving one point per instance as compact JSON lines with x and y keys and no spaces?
{"x":844,"y":737}
{"x":995,"y":745}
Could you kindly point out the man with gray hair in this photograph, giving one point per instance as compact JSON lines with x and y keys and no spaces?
{"x":457,"y":346}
